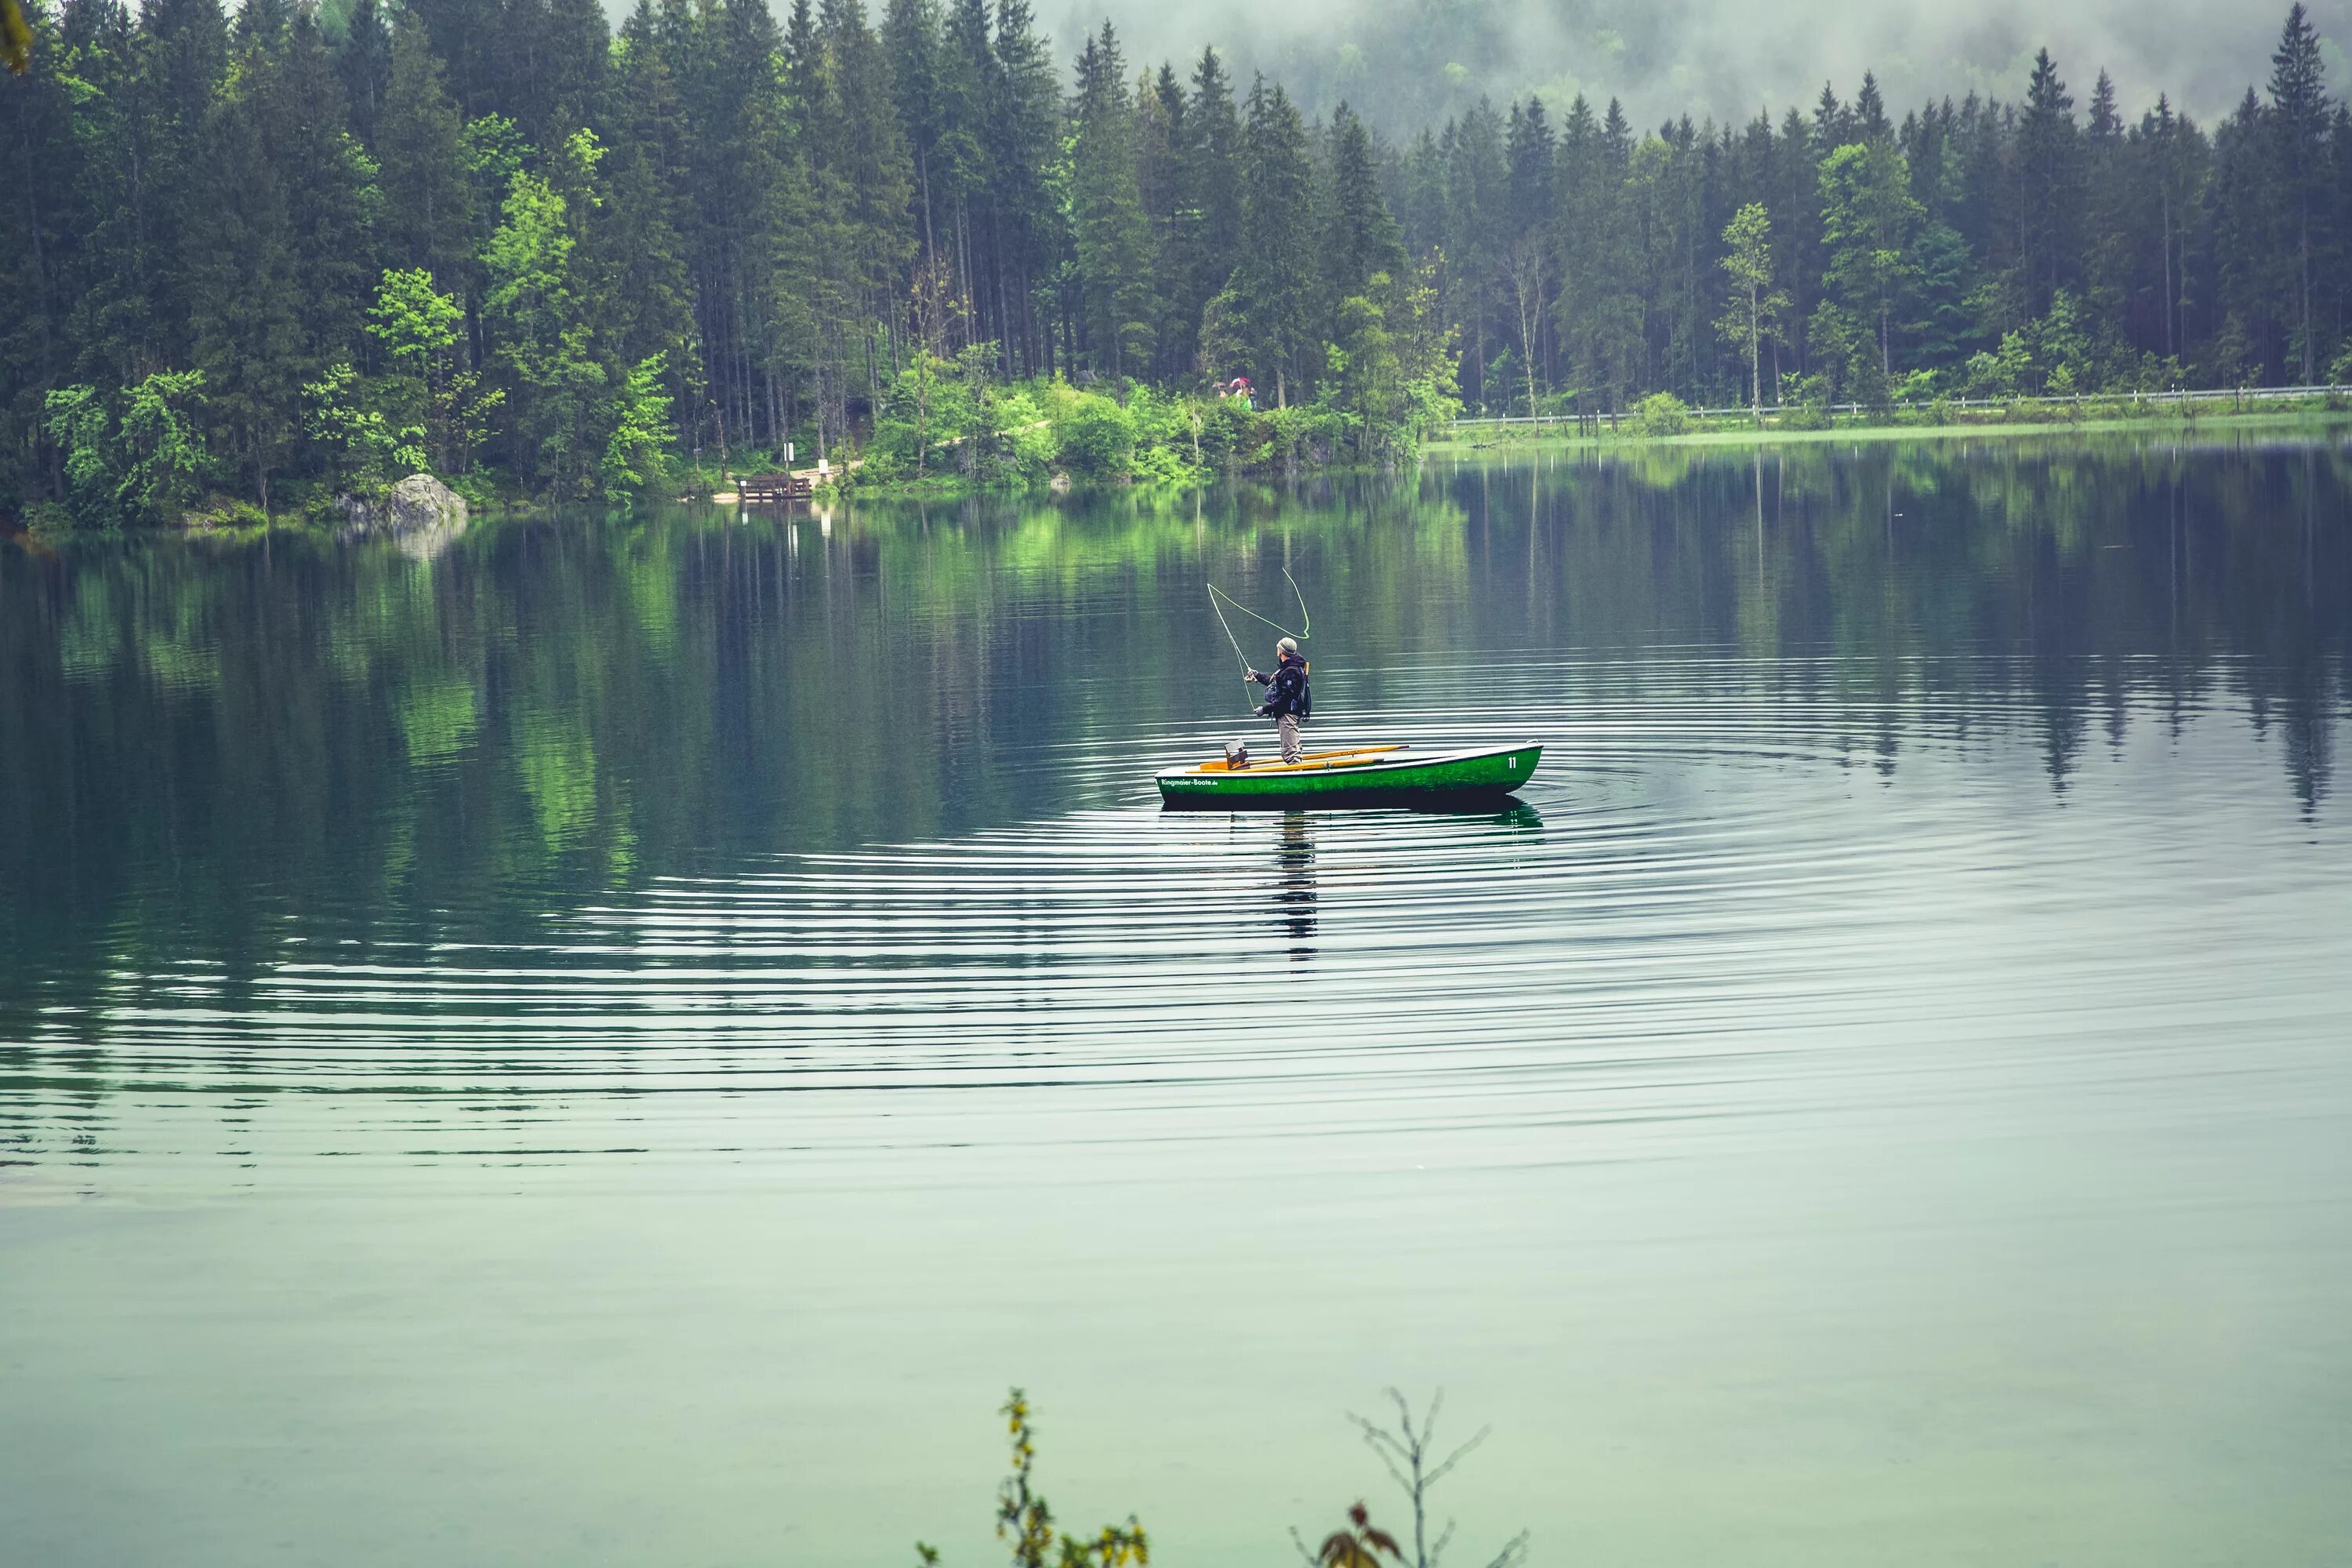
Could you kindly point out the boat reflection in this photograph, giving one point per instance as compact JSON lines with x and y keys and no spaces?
{"x":1298,"y":895}
{"x":1294,"y":887}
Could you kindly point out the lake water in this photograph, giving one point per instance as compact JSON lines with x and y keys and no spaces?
{"x":616,"y":1043}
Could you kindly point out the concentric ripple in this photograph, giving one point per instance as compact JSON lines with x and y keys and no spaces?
{"x":1741,"y":892}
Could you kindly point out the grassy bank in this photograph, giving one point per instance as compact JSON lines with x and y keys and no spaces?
{"x":2106,"y":416}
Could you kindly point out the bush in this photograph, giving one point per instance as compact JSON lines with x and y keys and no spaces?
{"x":1023,"y":444}
{"x":48,"y":520}
{"x":1095,"y":437}
{"x":1230,"y":433}
{"x":1661,"y":413}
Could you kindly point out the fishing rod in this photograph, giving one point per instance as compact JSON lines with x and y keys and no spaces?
{"x":1246,"y":681}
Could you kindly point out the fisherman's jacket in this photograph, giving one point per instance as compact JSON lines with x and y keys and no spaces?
{"x":1287,"y":689}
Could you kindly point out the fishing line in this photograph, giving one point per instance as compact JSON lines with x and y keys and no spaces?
{"x":1220,"y":594}
{"x":1237,"y":645}
{"x":1307,"y":621}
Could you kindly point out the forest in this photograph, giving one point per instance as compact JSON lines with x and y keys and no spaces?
{"x":257,"y":261}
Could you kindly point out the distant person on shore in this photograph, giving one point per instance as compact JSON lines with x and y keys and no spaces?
{"x":1288,"y":701}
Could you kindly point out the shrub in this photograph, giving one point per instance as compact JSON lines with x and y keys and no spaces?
{"x":1095,"y":437}
{"x":1661,"y":413}
{"x":1023,"y":444}
{"x":48,"y":520}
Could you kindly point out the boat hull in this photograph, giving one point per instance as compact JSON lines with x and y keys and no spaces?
{"x":1382,"y":776}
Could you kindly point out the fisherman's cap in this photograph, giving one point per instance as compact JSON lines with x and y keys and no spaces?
{"x":1287,"y":644}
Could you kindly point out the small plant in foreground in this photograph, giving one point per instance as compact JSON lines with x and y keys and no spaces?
{"x":1358,"y":1545}
{"x":1025,"y":1519}
{"x":1408,"y":1450}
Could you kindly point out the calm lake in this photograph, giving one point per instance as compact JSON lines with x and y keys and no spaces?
{"x":616,"y":1042}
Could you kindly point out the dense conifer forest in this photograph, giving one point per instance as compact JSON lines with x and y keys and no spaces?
{"x":294,"y":252}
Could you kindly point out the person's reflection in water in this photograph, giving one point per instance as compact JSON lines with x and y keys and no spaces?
{"x":1294,"y":895}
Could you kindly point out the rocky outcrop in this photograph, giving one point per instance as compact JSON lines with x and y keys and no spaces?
{"x":420,"y":511}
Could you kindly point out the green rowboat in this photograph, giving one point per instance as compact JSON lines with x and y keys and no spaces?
{"x":1366,"y":775}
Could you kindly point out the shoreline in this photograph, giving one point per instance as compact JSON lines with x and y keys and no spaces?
{"x":1534,"y":437}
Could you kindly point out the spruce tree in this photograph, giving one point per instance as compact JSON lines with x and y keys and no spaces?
{"x":1273,"y":287}
{"x":324,"y":176}
{"x":244,"y":297}
{"x":648,"y":205}
{"x":428,"y":201}
{"x":2297,"y":122}
{"x":2050,"y":197}
{"x":1360,"y":237}
{"x":1209,"y":178}
{"x":1107,"y":217}
{"x":364,"y":62}
{"x":1477,"y":211}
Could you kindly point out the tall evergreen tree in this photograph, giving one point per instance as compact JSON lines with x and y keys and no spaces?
{"x":2049,"y":187}
{"x":1360,"y":237}
{"x":1272,"y":287}
{"x":1107,"y":215}
{"x":364,"y":62}
{"x":427,"y":199}
{"x":2299,"y":123}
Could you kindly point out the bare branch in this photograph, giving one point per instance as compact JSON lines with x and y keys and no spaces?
{"x":1443,"y":1536}
{"x":1458,"y":1454}
{"x":1382,"y":1444}
{"x":1299,"y":1542}
{"x":1514,"y":1552}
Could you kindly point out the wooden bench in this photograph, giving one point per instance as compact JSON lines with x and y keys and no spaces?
{"x":773,"y":489}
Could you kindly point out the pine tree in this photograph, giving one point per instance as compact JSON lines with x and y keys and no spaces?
{"x":968,"y":84}
{"x":1023,"y":127}
{"x":37,"y":242}
{"x":365,"y":63}
{"x":2049,"y":156}
{"x":1360,"y":237}
{"x":2297,"y":122}
{"x":325,"y":177}
{"x":1478,"y":180}
{"x":653,"y":291}
{"x":1273,"y":290}
{"x":243,"y":294}
{"x":1210,"y":177}
{"x":428,"y":216}
{"x":911,"y":41}
{"x":1526,"y":240}
{"x":1107,"y":214}
{"x":2244,"y":342}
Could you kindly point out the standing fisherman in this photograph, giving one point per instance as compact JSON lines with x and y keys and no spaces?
{"x":1287,"y":698}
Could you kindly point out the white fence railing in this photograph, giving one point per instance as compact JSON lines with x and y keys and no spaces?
{"x":2231,"y":396}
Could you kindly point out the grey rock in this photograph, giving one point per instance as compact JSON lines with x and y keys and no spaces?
{"x":420,"y":511}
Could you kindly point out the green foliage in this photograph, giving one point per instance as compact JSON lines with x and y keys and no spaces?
{"x":636,"y":454}
{"x":427,"y":388}
{"x":1868,"y":219}
{"x":542,"y":344}
{"x":1753,"y":312}
{"x":146,"y":464}
{"x":2051,"y":355}
{"x":1094,"y":435}
{"x":1661,"y":413}
{"x":1025,"y":1521}
{"x":359,"y":448}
